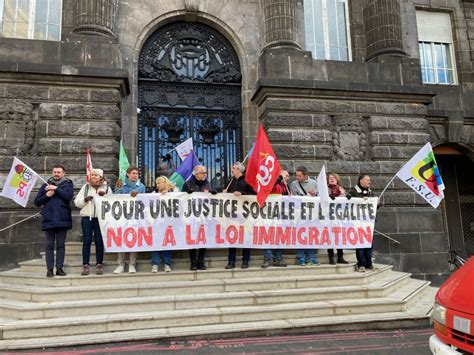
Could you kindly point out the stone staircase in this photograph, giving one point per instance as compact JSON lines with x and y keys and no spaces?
{"x":37,"y":312}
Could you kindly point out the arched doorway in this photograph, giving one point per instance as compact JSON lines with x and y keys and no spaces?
{"x":457,"y":170}
{"x":189,"y":85}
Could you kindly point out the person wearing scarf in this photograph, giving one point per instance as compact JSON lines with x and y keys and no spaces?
{"x":364,"y":255}
{"x":89,"y":221}
{"x":54,"y":198}
{"x":132,"y":186}
{"x":336,"y":190}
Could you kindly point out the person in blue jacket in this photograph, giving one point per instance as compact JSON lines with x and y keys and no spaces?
{"x":132,"y":186}
{"x":54,"y":198}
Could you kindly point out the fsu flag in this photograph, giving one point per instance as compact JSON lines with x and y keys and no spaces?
{"x":263,"y":169}
{"x":88,"y":166}
{"x":19,"y":183}
{"x":421,"y":173}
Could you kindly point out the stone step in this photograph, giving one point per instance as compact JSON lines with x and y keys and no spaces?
{"x":107,"y":290}
{"x":382,"y":320}
{"x":14,"y":308}
{"x":331,"y":274}
{"x":205,"y":316}
{"x":144,"y":266}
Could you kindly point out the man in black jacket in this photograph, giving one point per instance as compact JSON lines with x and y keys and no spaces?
{"x":238,"y":186}
{"x":54,"y":197}
{"x":197,"y":183}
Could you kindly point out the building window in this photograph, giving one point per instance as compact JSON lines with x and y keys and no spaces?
{"x":32,"y":19}
{"x":327,"y":29}
{"x":435,"y":42}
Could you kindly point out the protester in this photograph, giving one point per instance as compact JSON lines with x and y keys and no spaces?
{"x":364,"y":255}
{"x":54,"y":198}
{"x":304,"y":186}
{"x":197,"y":183}
{"x":275,"y":256}
{"x":163,"y":185}
{"x":336,"y":190}
{"x":89,"y":221}
{"x":132,"y":186}
{"x":286,"y":180}
{"x":239,"y":186}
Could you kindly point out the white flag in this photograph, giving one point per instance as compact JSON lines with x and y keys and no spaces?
{"x":322,"y":185}
{"x":421,"y":173}
{"x":19,"y":183}
{"x":185,"y":148}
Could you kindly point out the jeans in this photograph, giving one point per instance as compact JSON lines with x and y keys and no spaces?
{"x":55,"y":236}
{"x":364,"y":257}
{"x":157,"y":256}
{"x":306,"y":255}
{"x":340,"y":253}
{"x":233,"y":255}
{"x":91,"y":229}
{"x":275,"y":254}
{"x":197,"y":255}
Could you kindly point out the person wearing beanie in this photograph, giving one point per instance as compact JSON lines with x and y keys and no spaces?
{"x":84,"y":200}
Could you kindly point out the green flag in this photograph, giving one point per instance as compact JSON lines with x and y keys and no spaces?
{"x":123,"y":162}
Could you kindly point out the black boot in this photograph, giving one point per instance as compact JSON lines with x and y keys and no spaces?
{"x":230,"y":265}
{"x":194,"y":266}
{"x":340,"y":260}
{"x":60,"y":272}
{"x":201,"y":266}
{"x":50,"y":273}
{"x":332,"y":261}
{"x":245,"y":265}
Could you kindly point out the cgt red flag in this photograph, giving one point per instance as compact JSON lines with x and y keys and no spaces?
{"x":263,"y":169}
{"x":88,"y":166}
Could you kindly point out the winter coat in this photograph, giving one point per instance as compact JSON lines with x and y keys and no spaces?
{"x":88,"y":208}
{"x":56,"y":210}
{"x":194,"y":185}
{"x":241,"y":186}
{"x":358,"y":191}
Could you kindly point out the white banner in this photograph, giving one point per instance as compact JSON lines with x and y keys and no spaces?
{"x":20,"y":181}
{"x":201,"y":220}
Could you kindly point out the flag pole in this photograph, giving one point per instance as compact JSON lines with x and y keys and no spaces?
{"x":21,"y":221}
{"x":230,"y":182}
{"x":386,"y":236}
{"x":388,"y":184}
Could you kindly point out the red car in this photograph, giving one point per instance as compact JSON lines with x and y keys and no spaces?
{"x":453,"y":314}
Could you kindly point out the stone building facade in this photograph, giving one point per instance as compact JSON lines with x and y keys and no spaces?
{"x":150,"y":72}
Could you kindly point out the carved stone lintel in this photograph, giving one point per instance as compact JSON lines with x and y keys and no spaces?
{"x":349,"y":137}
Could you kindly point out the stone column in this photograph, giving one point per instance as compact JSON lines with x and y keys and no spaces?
{"x":95,"y":17}
{"x":383,"y":31}
{"x":280,"y":24}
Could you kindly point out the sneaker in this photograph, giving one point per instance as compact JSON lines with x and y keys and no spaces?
{"x":279,"y":263}
{"x":245,"y":265}
{"x":167,"y":268}
{"x":313,"y":263}
{"x":266,"y":263}
{"x":50,"y":273}
{"x":360,"y":269}
{"x":132,"y":269}
{"x":119,"y":269}
{"x":300,"y":263}
{"x":99,"y":270}
{"x":85,"y":270}
{"x":60,"y":272}
{"x":154,"y":269}
{"x":230,"y":266}
{"x":332,"y":261}
{"x":341,"y":260}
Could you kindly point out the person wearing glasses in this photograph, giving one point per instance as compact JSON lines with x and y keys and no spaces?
{"x":197,"y":183}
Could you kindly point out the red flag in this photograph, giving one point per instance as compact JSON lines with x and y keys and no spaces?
{"x":263,"y":169}
{"x":88,"y":166}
